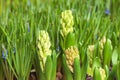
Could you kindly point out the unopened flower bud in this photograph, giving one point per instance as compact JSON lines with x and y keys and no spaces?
{"x":71,"y":53}
{"x":43,"y":45}
{"x":90,"y":50}
{"x":66,"y":22}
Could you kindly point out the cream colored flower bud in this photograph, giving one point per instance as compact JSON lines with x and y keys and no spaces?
{"x":102,"y":43}
{"x":71,"y":53}
{"x":90,"y":50}
{"x":66,"y":22}
{"x":43,"y":45}
{"x":102,"y":73}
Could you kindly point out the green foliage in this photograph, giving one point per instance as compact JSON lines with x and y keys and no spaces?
{"x":77,"y":69}
{"x":49,"y":72}
{"x":67,"y":72}
{"x":20,"y":21}
{"x":107,"y":53}
{"x":70,"y":40}
{"x":118,"y":71}
{"x":96,"y":75}
{"x":48,"y":68}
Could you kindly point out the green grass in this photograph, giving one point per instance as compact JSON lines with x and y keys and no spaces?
{"x":20,"y":20}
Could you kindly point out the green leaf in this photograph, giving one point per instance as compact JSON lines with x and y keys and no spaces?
{"x":96,"y":74}
{"x":37,"y":66}
{"x":96,"y":63}
{"x":114,"y":39}
{"x":76,"y":73}
{"x":62,"y":44}
{"x":107,"y":70}
{"x":112,"y":73}
{"x":89,"y":71}
{"x":54,"y":63}
{"x":114,"y":57}
{"x":107,"y":53}
{"x":84,"y":67}
{"x":118,"y":70}
{"x":70,"y":40}
{"x":48,"y":68}
{"x":67,"y":73}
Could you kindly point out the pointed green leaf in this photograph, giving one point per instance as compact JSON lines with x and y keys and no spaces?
{"x":84,"y":67}
{"x":54,"y":60}
{"x":70,"y":40}
{"x":107,"y":53}
{"x":62,"y":42}
{"x":112,"y":73}
{"x":107,"y":70}
{"x":96,"y":74}
{"x":67,"y":73}
{"x":114,"y":39}
{"x":48,"y":68}
{"x":96,"y":63}
{"x":76,"y":71}
{"x":118,"y":70}
{"x":114,"y":57}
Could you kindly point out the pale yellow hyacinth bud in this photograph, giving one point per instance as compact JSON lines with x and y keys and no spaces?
{"x":71,"y":53}
{"x":102,"y":73}
{"x":66,"y":22}
{"x":43,"y":45}
{"x":90,"y":50}
{"x":102,"y":42}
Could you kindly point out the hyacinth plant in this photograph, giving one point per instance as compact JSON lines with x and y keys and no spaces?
{"x":92,"y":20}
{"x":70,"y":57}
{"x":102,"y":58}
{"x":46,"y":57}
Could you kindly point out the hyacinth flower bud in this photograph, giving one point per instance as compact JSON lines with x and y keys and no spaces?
{"x":100,"y":47}
{"x":71,"y":64}
{"x":47,"y":57}
{"x":90,"y":50}
{"x":66,"y":22}
{"x":43,"y":45}
{"x":68,"y":37}
{"x":71,"y":53}
{"x":99,"y":74}
{"x":102,"y":42}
